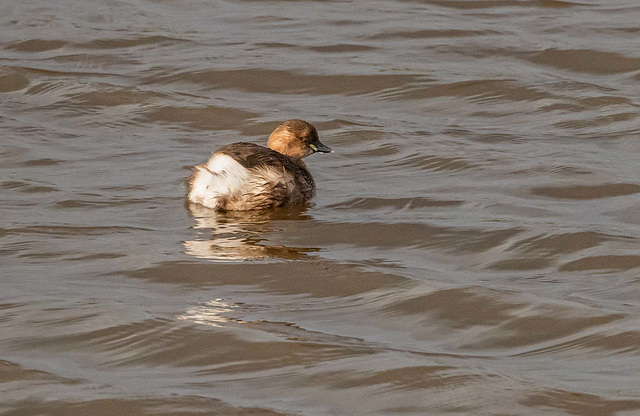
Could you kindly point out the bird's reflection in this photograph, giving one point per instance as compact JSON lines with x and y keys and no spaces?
{"x":242,"y":235}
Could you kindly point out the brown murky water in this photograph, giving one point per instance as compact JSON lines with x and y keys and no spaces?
{"x":473,"y":249}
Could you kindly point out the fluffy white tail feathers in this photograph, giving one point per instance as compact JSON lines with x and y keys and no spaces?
{"x":220,"y":176}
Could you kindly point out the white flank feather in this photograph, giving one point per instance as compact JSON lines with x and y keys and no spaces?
{"x":220,"y":176}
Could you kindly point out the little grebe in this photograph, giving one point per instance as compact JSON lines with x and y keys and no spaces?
{"x":244,"y":176}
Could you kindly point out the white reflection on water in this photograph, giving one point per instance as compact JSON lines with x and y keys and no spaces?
{"x":211,"y":313}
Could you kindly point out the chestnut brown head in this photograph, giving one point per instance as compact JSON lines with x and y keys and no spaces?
{"x":296,"y":139}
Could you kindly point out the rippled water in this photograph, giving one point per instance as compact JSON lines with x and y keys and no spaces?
{"x":473,"y":248}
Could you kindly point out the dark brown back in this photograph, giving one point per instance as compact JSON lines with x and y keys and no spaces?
{"x":251,"y":156}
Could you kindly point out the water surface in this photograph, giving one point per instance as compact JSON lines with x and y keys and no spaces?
{"x":473,"y":248}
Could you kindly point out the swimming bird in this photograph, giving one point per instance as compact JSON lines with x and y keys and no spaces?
{"x":244,"y":176}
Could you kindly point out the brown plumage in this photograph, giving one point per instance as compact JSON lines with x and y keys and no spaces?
{"x":244,"y":176}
